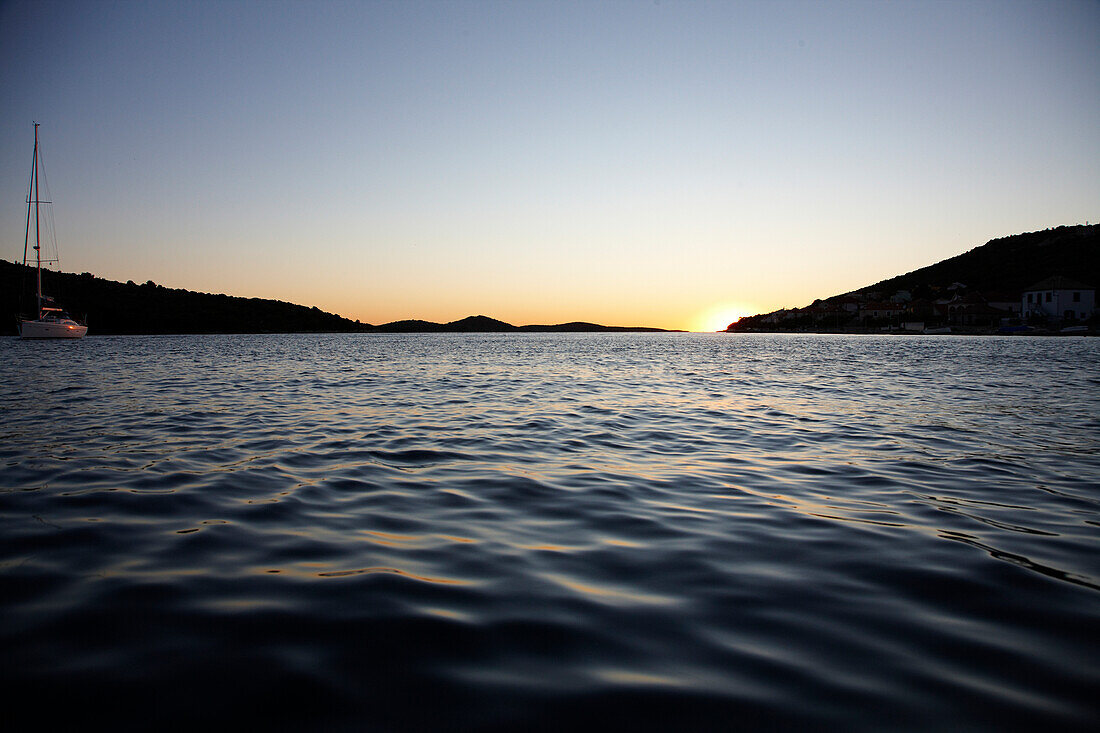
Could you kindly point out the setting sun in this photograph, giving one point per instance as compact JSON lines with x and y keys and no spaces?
{"x":721,"y":316}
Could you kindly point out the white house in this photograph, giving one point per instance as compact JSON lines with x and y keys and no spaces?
{"x":1059,"y":298}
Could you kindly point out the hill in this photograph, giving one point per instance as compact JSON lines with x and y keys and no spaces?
{"x":999,"y":269}
{"x":485,"y":324}
{"x":1011,"y":263}
{"x":583,"y":327}
{"x":129,"y":308}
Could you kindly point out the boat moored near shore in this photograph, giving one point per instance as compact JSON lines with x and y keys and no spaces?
{"x":50,"y":320}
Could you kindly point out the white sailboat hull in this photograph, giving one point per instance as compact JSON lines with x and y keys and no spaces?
{"x":51,"y":330}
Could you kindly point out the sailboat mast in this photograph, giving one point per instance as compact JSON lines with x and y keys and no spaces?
{"x":30,"y":193}
{"x":37,"y":241}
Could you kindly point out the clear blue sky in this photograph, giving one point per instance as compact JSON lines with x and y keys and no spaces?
{"x":620,"y":162}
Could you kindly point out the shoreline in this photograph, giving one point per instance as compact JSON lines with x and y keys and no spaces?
{"x":809,"y":332}
{"x":906,"y":332}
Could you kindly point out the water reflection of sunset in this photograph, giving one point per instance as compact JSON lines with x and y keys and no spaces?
{"x":400,"y":531}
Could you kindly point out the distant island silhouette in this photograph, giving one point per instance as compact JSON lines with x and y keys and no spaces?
{"x":485,"y":324}
{"x":128,"y":308}
{"x":978,"y":291}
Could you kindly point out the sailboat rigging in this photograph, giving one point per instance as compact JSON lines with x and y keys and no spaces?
{"x":50,"y":320}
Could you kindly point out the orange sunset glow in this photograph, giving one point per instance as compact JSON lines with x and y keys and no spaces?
{"x":721,"y":316}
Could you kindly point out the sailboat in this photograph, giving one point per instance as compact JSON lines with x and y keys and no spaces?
{"x":51,"y":321}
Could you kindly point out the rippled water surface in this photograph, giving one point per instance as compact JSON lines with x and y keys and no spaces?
{"x":527,"y":531}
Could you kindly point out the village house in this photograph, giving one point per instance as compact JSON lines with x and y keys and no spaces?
{"x":828,"y":314}
{"x":942,"y":306}
{"x":1008,"y":302}
{"x":1058,"y":299}
{"x":973,"y":310}
{"x":874,"y":311}
{"x":848,"y":303}
{"x":920,"y":308}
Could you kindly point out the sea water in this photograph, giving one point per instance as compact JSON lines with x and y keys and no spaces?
{"x":543,"y":531}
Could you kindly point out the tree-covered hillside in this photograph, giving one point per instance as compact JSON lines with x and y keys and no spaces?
{"x":999,"y":269}
{"x":128,"y":308}
{"x":1012,"y":263}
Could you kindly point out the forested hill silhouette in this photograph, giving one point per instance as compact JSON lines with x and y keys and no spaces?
{"x":1011,"y":263}
{"x":1004,"y":266}
{"x":128,"y":308}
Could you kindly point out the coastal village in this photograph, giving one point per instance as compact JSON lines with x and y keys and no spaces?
{"x":1042,"y":282}
{"x":1055,"y":304}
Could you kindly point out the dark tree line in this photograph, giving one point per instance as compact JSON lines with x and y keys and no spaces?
{"x":128,"y":308}
{"x":1011,"y":263}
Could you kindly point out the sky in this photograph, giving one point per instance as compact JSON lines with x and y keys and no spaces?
{"x":668,"y":164}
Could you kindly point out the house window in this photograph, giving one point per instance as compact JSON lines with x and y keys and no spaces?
{"x":1076,"y":297}
{"x":1029,"y":297}
{"x":1048,"y":296}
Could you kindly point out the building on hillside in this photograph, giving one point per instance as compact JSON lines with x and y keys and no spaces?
{"x":874,"y":311}
{"x":1059,"y":299}
{"x":977,"y":309}
{"x":973,"y":310}
{"x":848,"y":304}
{"x":1009,"y":302}
{"x":942,"y":306}
{"x":829,"y":315}
{"x":920,"y":308}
